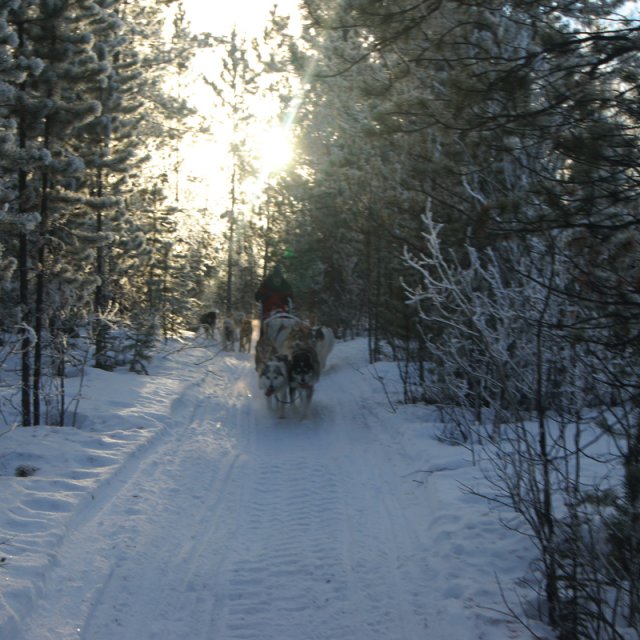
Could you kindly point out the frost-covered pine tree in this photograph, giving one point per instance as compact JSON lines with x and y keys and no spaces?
{"x":109,"y":149}
{"x":23,"y":156}
{"x":151,"y":126}
{"x":52,"y":288}
{"x":11,"y":73}
{"x":233,"y":89}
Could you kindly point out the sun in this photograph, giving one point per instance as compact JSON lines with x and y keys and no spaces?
{"x":205,"y":173}
{"x":212,"y":154}
{"x":274,"y":150}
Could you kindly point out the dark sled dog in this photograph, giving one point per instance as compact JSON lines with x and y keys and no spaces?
{"x":265,"y":350}
{"x":208,"y":323}
{"x":246,"y":329}
{"x":304,"y":373}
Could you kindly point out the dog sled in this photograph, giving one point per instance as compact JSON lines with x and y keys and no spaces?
{"x":278,"y":326}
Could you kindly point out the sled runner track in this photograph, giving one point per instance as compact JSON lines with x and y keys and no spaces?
{"x":175,"y":571}
{"x":239,"y":526}
{"x":301,"y":563}
{"x":287,"y":571}
{"x":180,"y":556}
{"x":141,"y":517}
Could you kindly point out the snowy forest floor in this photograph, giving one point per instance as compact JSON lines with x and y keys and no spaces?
{"x":181,"y":507}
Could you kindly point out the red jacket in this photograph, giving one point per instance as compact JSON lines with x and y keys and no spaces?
{"x":274,"y":296}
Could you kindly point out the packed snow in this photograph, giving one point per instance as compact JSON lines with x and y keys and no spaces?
{"x":181,"y":507}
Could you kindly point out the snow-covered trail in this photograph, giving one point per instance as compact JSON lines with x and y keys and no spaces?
{"x":233,"y":524}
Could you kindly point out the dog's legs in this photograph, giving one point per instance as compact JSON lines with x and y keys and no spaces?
{"x":269,"y":397}
{"x":281,"y":402}
{"x":307,"y":405}
{"x":306,"y":395}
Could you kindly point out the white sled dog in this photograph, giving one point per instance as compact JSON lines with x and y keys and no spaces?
{"x":229,"y":334}
{"x":275,"y":381}
{"x":324,"y":341}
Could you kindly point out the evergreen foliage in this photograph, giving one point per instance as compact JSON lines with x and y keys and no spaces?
{"x":75,"y":129}
{"x":515,"y":128}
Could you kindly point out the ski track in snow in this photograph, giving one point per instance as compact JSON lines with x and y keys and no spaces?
{"x":231,"y":524}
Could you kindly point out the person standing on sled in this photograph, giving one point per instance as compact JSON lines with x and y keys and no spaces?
{"x":274,"y":294}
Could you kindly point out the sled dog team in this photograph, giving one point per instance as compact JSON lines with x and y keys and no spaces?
{"x":289,"y":356}
{"x":236,"y":330}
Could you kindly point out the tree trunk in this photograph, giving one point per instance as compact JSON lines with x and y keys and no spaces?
{"x":101,"y":327}
{"x":545,"y":516}
{"x":23,"y":268}
{"x":40,"y":284}
{"x":26,"y":343}
{"x":230,"y":248}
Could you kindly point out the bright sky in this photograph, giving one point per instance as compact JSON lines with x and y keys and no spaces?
{"x":248,"y":16}
{"x":206,"y":160}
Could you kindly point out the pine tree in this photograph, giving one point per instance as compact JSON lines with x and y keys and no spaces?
{"x":159,"y":123}
{"x":110,"y":151}
{"x":59,"y":35}
{"x":26,"y":109}
{"x":10,"y":75}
